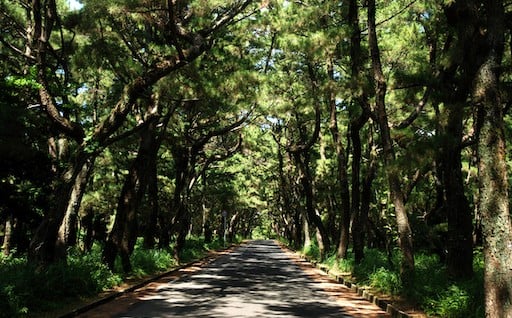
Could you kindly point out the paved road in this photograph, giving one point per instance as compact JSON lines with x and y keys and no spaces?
{"x":257,"y":279}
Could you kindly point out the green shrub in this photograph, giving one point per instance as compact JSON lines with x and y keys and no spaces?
{"x":146,"y":262}
{"x":432,"y":290}
{"x":25,"y":289}
{"x":455,"y":299}
{"x":449,"y":303}
{"x":385,"y":281}
{"x":341,"y":265}
{"x":312,"y":251}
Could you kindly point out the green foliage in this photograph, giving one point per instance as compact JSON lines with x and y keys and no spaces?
{"x":454,"y":299}
{"x":146,"y":262}
{"x":385,"y":281}
{"x":432,"y":290}
{"x":12,"y":301}
{"x":340,"y":265}
{"x":195,"y":248}
{"x":264,"y":229}
{"x":27,"y":289}
{"x":312,"y":251}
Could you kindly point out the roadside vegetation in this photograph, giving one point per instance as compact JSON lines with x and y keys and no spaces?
{"x":360,"y":123}
{"x":29,"y":291}
{"x":434,"y":292}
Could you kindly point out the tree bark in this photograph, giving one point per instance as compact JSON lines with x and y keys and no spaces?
{"x":124,"y":233}
{"x":154,"y":206}
{"x":9,"y":227}
{"x":360,"y":224}
{"x":182,"y":162}
{"x":466,"y":50}
{"x":358,"y":204}
{"x":49,"y":244}
{"x":459,"y":258}
{"x":341,"y":161}
{"x":68,"y":228}
{"x":301,"y":153}
{"x":393,"y":175}
{"x":493,"y":180}
{"x":302,"y":160}
{"x":285,"y":193}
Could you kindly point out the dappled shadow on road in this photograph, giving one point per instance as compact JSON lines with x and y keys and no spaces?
{"x":255,"y":280}
{"x":353,"y":304}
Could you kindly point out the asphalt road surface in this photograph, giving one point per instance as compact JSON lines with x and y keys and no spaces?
{"x":257,"y":279}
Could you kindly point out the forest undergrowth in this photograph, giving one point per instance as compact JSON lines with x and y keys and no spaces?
{"x":28,"y":291}
{"x":433,"y":291}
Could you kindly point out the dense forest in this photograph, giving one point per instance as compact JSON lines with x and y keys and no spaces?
{"x":346,"y":125}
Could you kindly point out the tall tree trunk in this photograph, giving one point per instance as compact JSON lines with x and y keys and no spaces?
{"x":459,"y":246}
{"x":393,"y":175}
{"x":154,"y":206}
{"x":123,"y":236}
{"x":493,"y":180}
{"x":287,"y":201}
{"x":182,"y":162}
{"x":305,"y":230}
{"x":181,"y":227}
{"x":358,"y":212}
{"x":68,"y":227}
{"x":9,"y":227}
{"x":49,"y":242}
{"x":360,"y":224}
{"x":341,"y":162}
{"x":306,"y":180}
{"x":154,"y":213}
{"x":466,"y":49}
{"x":87,"y":222}
{"x":232,"y":226}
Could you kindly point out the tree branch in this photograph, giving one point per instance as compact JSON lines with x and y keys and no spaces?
{"x":316,"y":132}
{"x":417,"y":110}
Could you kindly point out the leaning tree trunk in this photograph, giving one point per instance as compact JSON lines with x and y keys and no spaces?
{"x":393,"y":175}
{"x":493,"y":180}
{"x":123,"y":236}
{"x":68,"y":228}
{"x":49,"y":243}
{"x":302,"y":159}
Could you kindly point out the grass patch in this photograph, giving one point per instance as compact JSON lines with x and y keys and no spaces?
{"x":311,"y":251}
{"x":146,"y":262}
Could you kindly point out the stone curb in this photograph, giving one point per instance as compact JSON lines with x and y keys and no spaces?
{"x":360,"y":290}
{"x":117,"y":294}
{"x":366,"y":294}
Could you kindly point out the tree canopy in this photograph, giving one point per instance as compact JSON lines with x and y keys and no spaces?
{"x":349,"y":124}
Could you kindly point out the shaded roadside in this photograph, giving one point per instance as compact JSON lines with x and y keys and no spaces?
{"x":130,"y":285}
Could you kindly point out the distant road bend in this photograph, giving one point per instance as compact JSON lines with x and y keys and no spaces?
{"x":257,"y":279}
